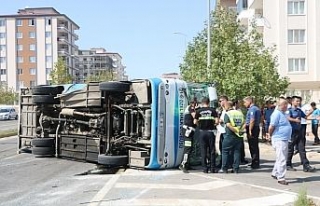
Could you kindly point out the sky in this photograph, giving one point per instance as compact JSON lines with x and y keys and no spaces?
{"x":141,"y":31}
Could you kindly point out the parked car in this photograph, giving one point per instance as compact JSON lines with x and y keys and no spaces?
{"x":7,"y":113}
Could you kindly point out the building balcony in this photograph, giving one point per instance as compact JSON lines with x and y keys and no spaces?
{"x":63,"y":40}
{"x":62,"y":28}
{"x":255,"y":4}
{"x":76,"y":37}
{"x":63,"y":52}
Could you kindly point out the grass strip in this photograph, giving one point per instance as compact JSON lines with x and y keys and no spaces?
{"x":8,"y":133}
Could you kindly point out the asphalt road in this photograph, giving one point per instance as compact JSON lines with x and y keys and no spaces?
{"x":26,"y":180}
{"x":8,"y":125}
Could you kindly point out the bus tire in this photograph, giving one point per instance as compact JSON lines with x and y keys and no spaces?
{"x":42,"y":142}
{"x":45,"y":99}
{"x":43,"y":151}
{"x":114,"y":87}
{"x":121,"y":160}
{"x":47,"y":90}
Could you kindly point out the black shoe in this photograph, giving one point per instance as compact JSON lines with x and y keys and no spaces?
{"x":274,"y":177}
{"x":290,"y":168}
{"x":205,"y":171}
{"x":235,"y":171}
{"x":183,"y":169}
{"x":308,"y":168}
{"x":213,"y":171}
{"x":244,"y":162}
{"x":255,"y":167}
{"x":283,"y":182}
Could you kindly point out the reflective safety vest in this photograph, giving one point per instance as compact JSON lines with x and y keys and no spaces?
{"x":237,"y":121}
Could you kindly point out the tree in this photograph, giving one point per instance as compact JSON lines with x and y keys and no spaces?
{"x":100,"y":76}
{"x":240,"y":64}
{"x":8,"y":96}
{"x":60,"y":74}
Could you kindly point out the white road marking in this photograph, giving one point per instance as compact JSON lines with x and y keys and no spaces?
{"x":255,"y":186}
{"x":96,"y":200}
{"x":279,"y":199}
{"x":203,"y":186}
{"x":139,"y":195}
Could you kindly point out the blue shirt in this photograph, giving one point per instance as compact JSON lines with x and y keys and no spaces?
{"x":282,"y":126}
{"x":296,"y":113}
{"x":253,"y":113}
{"x":267,"y":114}
{"x":315,"y":114}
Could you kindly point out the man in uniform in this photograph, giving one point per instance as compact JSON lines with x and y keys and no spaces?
{"x":206,"y":118}
{"x":252,"y":126}
{"x":234,"y":121}
{"x":295,"y":115}
{"x":188,"y":130}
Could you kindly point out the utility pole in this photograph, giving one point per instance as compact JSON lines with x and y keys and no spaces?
{"x":209,"y":41}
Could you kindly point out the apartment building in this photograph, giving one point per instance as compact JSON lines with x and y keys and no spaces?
{"x":293,"y":26}
{"x":31,"y":41}
{"x":95,"y":60}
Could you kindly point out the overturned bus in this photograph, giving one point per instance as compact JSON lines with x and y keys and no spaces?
{"x":135,"y":123}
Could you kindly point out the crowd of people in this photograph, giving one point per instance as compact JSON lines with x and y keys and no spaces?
{"x":284,"y":124}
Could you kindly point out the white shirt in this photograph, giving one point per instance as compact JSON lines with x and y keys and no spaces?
{"x":221,"y":127}
{"x":305,"y":108}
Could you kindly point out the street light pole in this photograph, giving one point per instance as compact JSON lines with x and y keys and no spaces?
{"x":209,"y":41}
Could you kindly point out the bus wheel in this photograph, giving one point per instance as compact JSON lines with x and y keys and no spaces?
{"x":121,"y":160}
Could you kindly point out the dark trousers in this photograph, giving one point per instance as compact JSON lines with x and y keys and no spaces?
{"x":253,"y":142}
{"x":242,"y":152}
{"x":296,"y":138}
{"x":231,"y":152}
{"x":207,"y":141}
{"x":188,"y":146}
{"x":303,"y":130}
{"x":315,"y":132}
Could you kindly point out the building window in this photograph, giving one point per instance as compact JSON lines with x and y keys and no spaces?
{"x":19,"y":71}
{"x":31,"y":22}
{"x":49,"y":59}
{"x":245,"y":4}
{"x":19,"y":35}
{"x":32,"y":71}
{"x":48,"y":34}
{"x":2,"y":22}
{"x":33,"y":83}
{"x":296,"y":7}
{"x":19,"y":47}
{"x":32,"y":59}
{"x":48,"y":47}
{"x":2,"y":59}
{"x":2,"y":35}
{"x":48,"y":21}
{"x":32,"y":47}
{"x":32,"y":34}
{"x":21,"y":84}
{"x":48,"y":71}
{"x":296,"y":36}
{"x":19,"y":22}
{"x":3,"y":71}
{"x":20,"y":59}
{"x":2,"y":47}
{"x":296,"y":64}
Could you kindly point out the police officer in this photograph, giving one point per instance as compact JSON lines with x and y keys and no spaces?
{"x":188,"y":131}
{"x":206,"y":118}
{"x":294,"y":116}
{"x":233,"y":138}
{"x":252,"y":126}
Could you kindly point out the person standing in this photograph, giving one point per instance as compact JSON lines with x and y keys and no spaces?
{"x":315,"y":115}
{"x":280,"y":132}
{"x":267,"y":115}
{"x":206,"y":118}
{"x":221,"y":127}
{"x":188,"y":131}
{"x":252,"y":127}
{"x":231,"y":144}
{"x":295,"y":115}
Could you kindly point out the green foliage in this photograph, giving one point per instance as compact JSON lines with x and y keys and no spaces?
{"x":302,"y":199}
{"x":60,"y":74}
{"x":8,"y":96}
{"x":101,"y":76}
{"x":240,"y":64}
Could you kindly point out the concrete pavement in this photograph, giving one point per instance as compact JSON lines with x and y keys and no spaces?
{"x":26,"y":180}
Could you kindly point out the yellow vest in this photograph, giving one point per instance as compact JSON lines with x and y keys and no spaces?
{"x":237,"y":121}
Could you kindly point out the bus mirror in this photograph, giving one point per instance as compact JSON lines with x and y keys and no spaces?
{"x":212,"y":93}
